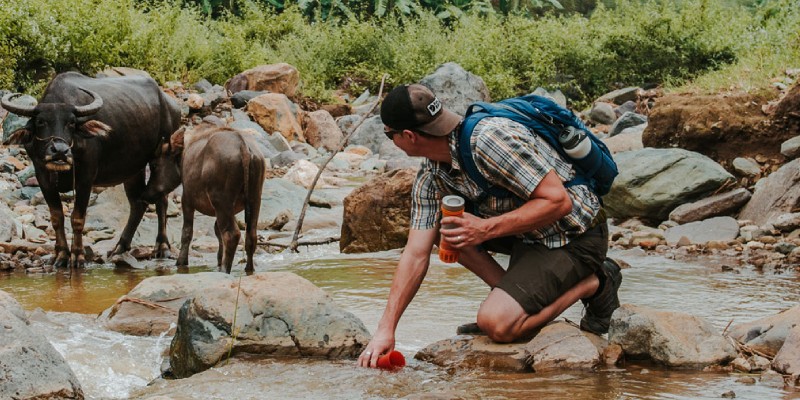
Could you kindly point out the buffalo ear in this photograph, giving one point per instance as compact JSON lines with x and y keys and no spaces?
{"x":20,"y":136}
{"x":94,"y":128}
{"x":176,"y":141}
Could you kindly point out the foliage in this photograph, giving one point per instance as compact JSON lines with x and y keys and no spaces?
{"x":625,"y":43}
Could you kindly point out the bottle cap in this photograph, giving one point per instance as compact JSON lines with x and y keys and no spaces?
{"x":453,"y":203}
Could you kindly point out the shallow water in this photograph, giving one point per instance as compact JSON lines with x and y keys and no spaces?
{"x":111,"y":365}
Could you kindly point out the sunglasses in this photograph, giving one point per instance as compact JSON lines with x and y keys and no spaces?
{"x":390,"y":133}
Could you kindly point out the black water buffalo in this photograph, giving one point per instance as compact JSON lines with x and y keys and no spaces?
{"x":222,"y":171}
{"x":86,"y":132}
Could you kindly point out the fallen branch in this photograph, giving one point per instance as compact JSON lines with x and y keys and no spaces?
{"x":312,"y":242}
{"x":294,"y":244}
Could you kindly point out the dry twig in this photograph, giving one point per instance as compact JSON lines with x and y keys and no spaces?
{"x":294,"y":244}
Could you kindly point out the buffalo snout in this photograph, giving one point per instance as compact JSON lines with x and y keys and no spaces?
{"x":58,"y":154}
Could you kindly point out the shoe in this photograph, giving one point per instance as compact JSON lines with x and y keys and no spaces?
{"x":469,"y":329}
{"x":600,"y":306}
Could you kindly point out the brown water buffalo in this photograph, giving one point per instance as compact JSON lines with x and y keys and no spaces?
{"x":222,"y":171}
{"x":89,"y":132}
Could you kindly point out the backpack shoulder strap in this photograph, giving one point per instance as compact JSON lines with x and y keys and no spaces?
{"x":465,"y":151}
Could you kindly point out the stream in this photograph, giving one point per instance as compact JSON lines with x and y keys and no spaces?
{"x":110,"y":365}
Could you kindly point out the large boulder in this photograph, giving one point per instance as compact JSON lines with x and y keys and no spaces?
{"x":456,"y":87}
{"x":768,"y":334}
{"x":281,"y":202}
{"x":376,"y":215}
{"x":151,"y":308}
{"x":776,"y":194}
{"x":269,"y":314}
{"x":276,"y":78}
{"x":670,"y":338}
{"x":652,"y":182}
{"x":30,"y":367}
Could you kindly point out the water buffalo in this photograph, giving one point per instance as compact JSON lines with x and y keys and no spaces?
{"x":222,"y":171}
{"x":89,"y":132}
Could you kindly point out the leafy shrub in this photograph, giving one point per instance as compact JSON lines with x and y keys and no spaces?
{"x":633,"y":43}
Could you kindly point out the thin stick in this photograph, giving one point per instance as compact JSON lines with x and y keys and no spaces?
{"x":294,"y":244}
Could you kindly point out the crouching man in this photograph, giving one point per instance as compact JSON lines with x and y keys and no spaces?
{"x":557,"y":237}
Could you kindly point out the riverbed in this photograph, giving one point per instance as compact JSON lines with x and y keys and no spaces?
{"x":110,"y":365}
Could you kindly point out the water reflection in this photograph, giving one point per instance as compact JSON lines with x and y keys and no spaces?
{"x":111,"y":365}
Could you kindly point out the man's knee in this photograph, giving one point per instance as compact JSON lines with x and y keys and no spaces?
{"x":498,"y":331}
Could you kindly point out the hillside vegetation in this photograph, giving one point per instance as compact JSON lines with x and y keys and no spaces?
{"x":712,"y":44}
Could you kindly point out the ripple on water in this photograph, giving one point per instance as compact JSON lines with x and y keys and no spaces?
{"x":111,"y":365}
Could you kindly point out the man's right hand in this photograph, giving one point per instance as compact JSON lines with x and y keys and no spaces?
{"x":381,"y":343}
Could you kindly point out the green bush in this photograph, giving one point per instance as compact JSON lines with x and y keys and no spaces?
{"x":631,"y":43}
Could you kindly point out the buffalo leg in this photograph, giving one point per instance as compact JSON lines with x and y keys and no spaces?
{"x":252,"y":206}
{"x":186,"y":234}
{"x":133,"y":191}
{"x":230,"y":237}
{"x":220,"y":244}
{"x":162,"y":249}
{"x":51,"y":196}
{"x":77,"y":260}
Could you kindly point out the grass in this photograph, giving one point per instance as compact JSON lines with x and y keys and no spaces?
{"x":699,"y":45}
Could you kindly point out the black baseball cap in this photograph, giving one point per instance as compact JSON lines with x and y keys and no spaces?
{"x":416,"y":108}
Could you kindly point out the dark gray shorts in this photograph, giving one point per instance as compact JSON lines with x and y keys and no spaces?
{"x":538,"y":275}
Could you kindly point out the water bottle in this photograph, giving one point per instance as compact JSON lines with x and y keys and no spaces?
{"x":576,"y":142}
{"x":452,"y":206}
{"x":584,"y":152}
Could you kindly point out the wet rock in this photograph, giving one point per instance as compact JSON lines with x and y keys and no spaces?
{"x":30,"y":366}
{"x":773,"y":379}
{"x":376,"y":215}
{"x":467,"y":352}
{"x":728,"y":395}
{"x":701,"y":232}
{"x":746,"y":380}
{"x":670,"y":338}
{"x":718,"y":204}
{"x":767,"y":335}
{"x":561,"y":346}
{"x":277,"y":314}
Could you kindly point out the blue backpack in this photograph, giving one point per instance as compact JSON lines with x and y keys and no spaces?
{"x":547,"y":119}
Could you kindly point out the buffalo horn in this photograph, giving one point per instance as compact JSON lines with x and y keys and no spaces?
{"x":25,"y":111}
{"x":91,"y":108}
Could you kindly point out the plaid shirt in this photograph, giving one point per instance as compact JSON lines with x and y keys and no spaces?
{"x":510,"y":156}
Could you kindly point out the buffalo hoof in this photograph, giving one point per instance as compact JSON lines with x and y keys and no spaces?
{"x":77,"y":261}
{"x":162,"y":251}
{"x":118,"y":249}
{"x":61,"y":260}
